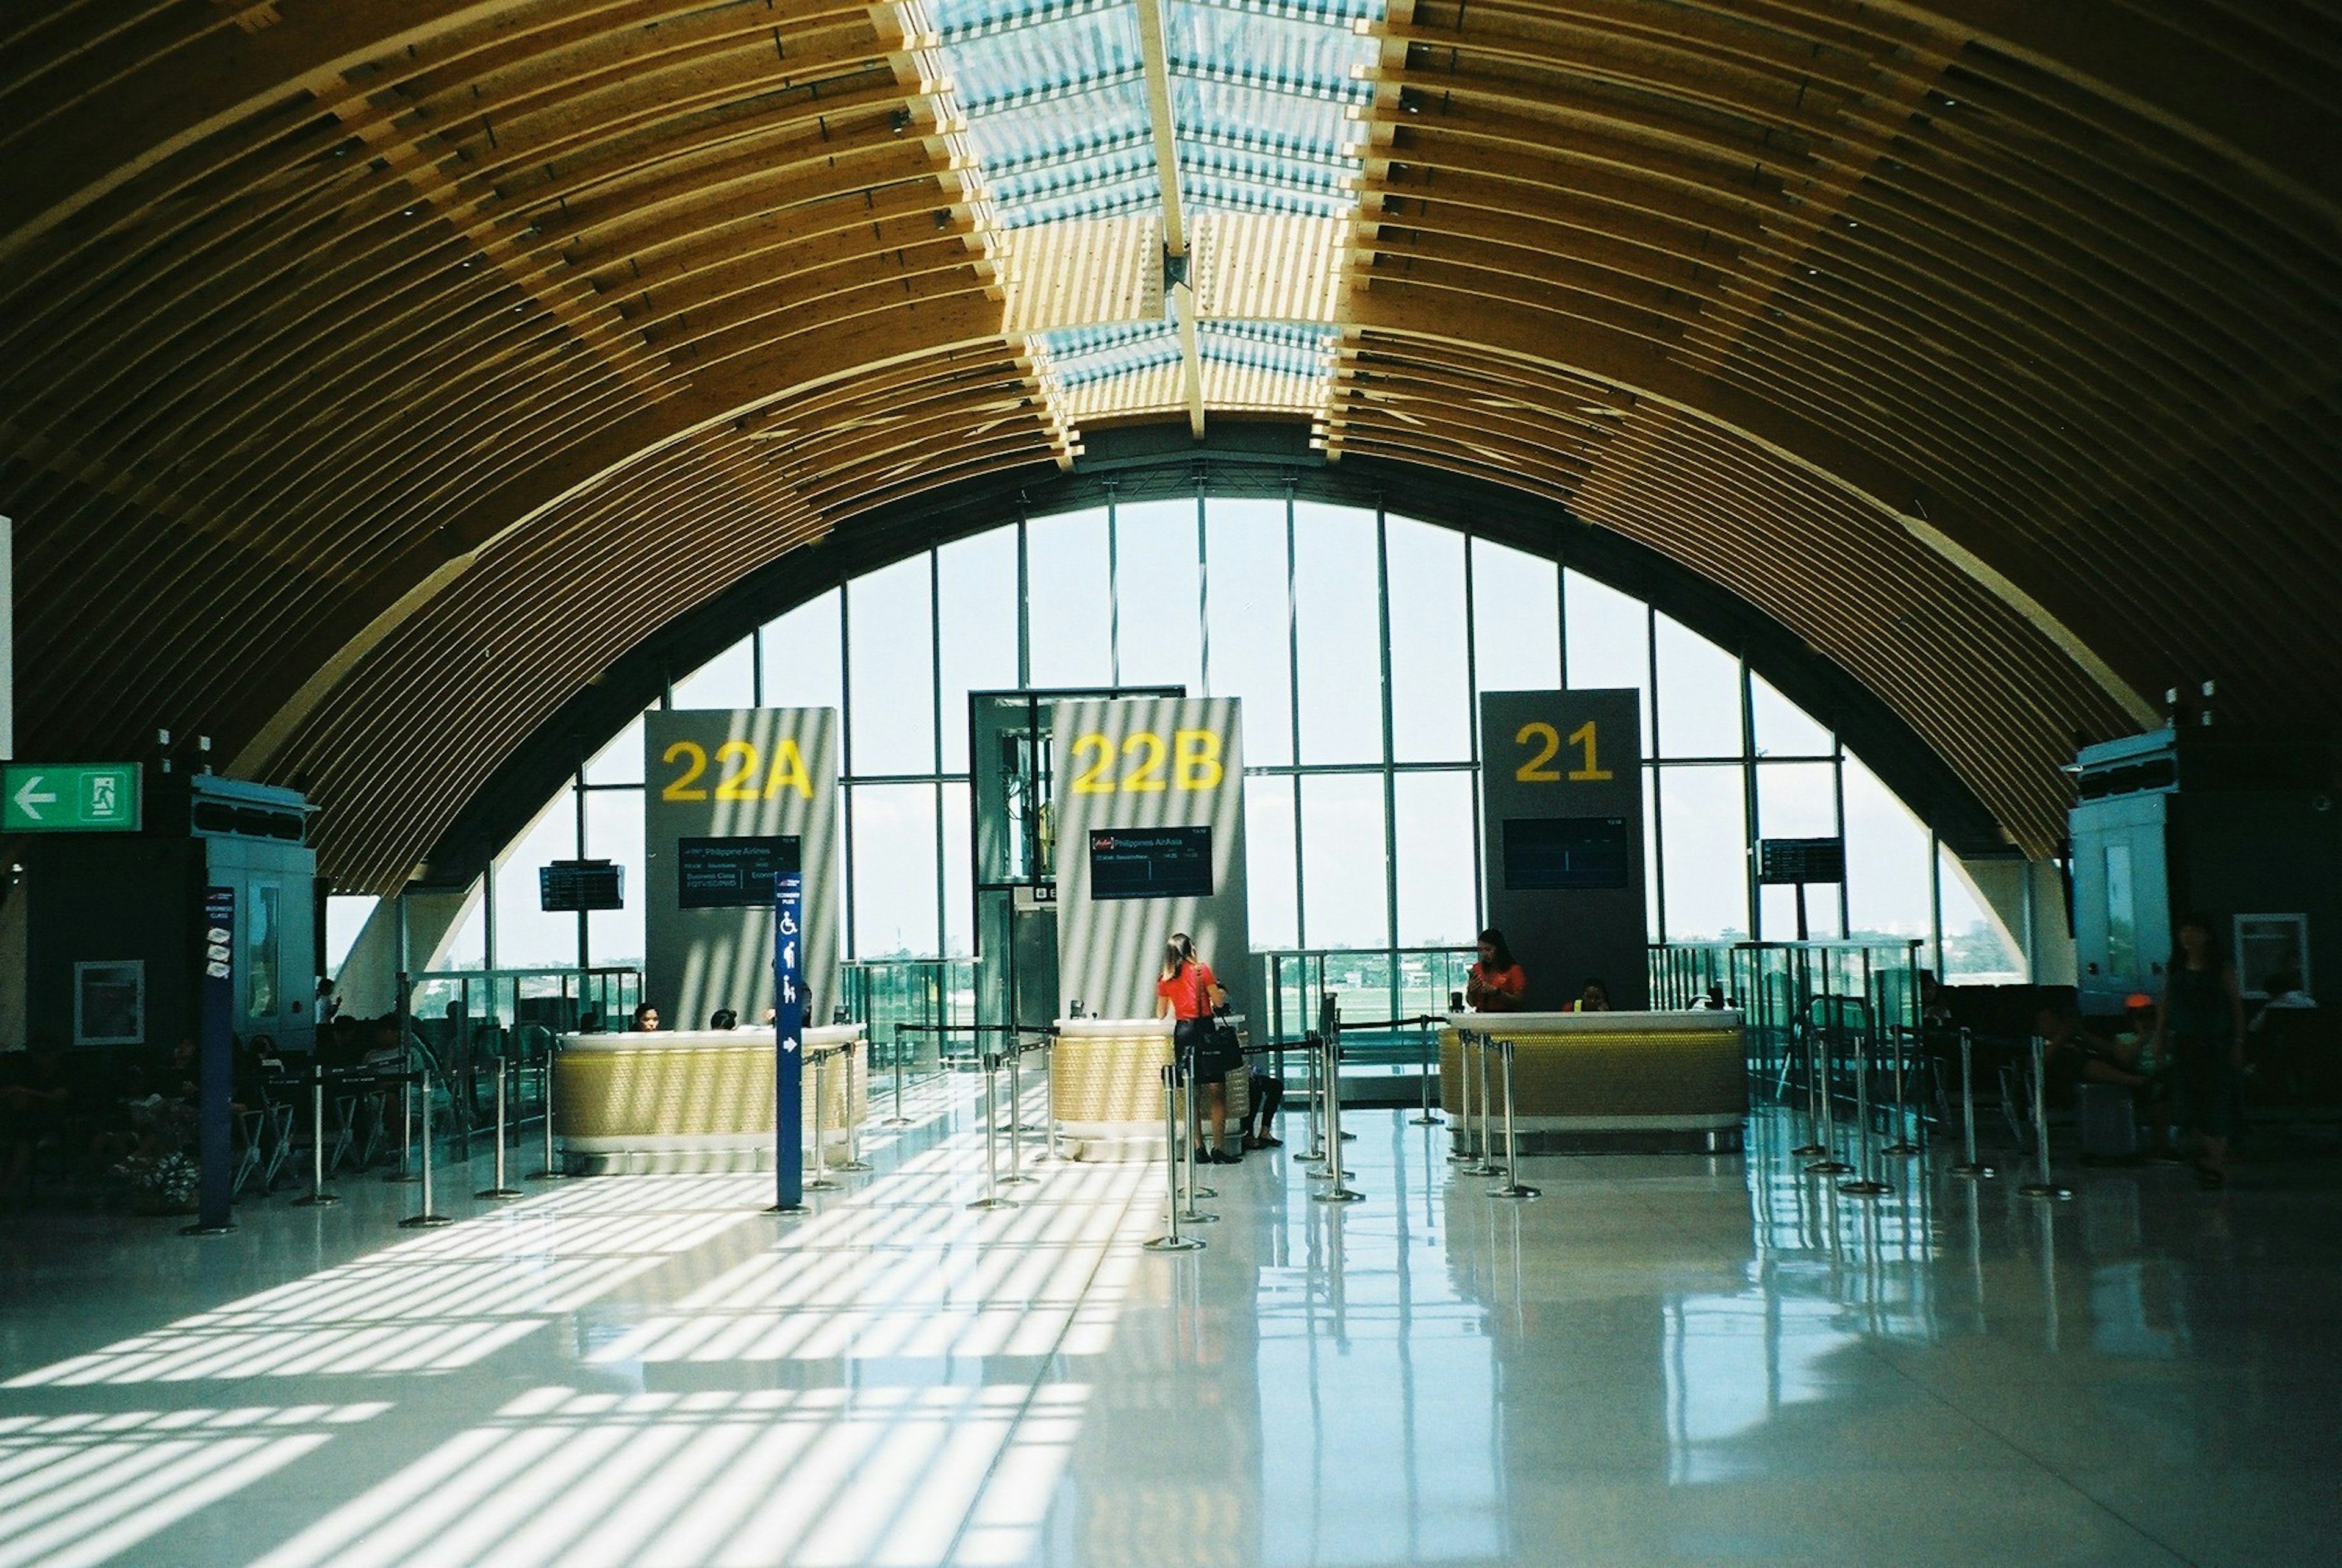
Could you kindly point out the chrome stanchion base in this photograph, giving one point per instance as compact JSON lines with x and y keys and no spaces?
{"x":1864,"y":1189}
{"x":1019,"y":1180}
{"x":1902,"y":1150}
{"x":994,"y":1203}
{"x":1973,"y":1171}
{"x":823,"y":1184}
{"x":205,"y":1230}
{"x":895,"y":1122}
{"x":2044,"y":1190}
{"x":1807,"y":1151}
{"x":854,"y":1167}
{"x":323,"y":1200}
{"x":792,"y":1209}
{"x":1430,"y":1120}
{"x":1173,"y":1244}
{"x":396,"y":1179}
{"x":1192,"y":1216}
{"x":424,"y":1222}
{"x":548,"y":1176}
{"x":1830,"y":1168}
{"x":502,"y":1194}
{"x":1337,"y":1195}
{"x":1515,"y":1189}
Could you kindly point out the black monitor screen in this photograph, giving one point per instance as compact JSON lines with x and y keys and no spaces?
{"x":730,"y":873}
{"x":1557,"y":853}
{"x":1151,"y":862}
{"x":1798,"y":859}
{"x":574,"y":885}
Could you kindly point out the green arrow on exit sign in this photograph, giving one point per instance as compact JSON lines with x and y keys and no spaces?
{"x":70,"y":797}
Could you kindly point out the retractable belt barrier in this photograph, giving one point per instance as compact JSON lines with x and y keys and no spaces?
{"x":2043,"y":1185}
{"x":1969,"y":1165}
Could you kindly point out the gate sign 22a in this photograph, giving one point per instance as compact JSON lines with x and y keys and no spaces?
{"x":70,"y":797}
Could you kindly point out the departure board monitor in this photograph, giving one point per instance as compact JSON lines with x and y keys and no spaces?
{"x":1544,"y":855}
{"x":1151,"y":862}
{"x":730,"y":873}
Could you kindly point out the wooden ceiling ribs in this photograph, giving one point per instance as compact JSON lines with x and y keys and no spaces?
{"x":371,"y":360}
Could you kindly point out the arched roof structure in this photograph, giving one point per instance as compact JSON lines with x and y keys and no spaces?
{"x":378,"y":375}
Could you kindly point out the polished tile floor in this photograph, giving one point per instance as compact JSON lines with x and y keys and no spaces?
{"x":1661,"y":1360}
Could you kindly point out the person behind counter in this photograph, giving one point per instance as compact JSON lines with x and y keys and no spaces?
{"x":1188,"y":991}
{"x":1496,"y":982}
{"x":647,"y":1018}
{"x":1594,"y":997}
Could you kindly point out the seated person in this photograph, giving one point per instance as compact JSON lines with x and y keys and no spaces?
{"x":646,"y":1019}
{"x":1264,"y":1094}
{"x":1594,"y":997}
{"x":723,"y":1018}
{"x":2071,"y":1055}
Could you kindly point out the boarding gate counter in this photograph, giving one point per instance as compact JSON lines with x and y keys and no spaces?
{"x":1590,"y":1079}
{"x":696,"y":1100}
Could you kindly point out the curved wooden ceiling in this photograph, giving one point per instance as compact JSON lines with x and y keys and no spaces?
{"x":375,"y":372}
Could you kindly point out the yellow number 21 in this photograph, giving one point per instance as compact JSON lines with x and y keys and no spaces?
{"x":1547,"y":741}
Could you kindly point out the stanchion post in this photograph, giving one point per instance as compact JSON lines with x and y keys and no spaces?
{"x":1313,"y":1102}
{"x":853,"y":1160}
{"x":404,"y":1170}
{"x":1424,"y":1118}
{"x":1172,"y":1241}
{"x":1970,"y":1167}
{"x":2042,"y":1185}
{"x":820,"y":1181}
{"x":1189,"y":1067}
{"x":1016,"y":1176}
{"x":1865,"y":1182}
{"x":992,"y":1198}
{"x":1337,"y":1189}
{"x":898,"y":1119}
{"x":1816,"y":1147}
{"x":1050,"y":1095}
{"x":426,"y":1218}
{"x":318,"y":1197}
{"x":1513,"y":1187}
{"x":552,"y":1170}
{"x":1829,"y":1164}
{"x":1462,"y":1155}
{"x":499,"y":1188}
{"x":1902,"y":1148}
{"x":1482,"y":1161}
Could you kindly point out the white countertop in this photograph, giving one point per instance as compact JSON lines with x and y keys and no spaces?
{"x":1111,"y":1028}
{"x":821,"y":1036}
{"x":1692,"y":1020}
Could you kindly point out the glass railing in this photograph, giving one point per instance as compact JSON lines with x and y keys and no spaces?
{"x":918,"y":1012}
{"x":1788,"y":990}
{"x":1368,"y":986}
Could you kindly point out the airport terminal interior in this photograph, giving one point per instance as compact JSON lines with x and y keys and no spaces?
{"x":1170,"y":782}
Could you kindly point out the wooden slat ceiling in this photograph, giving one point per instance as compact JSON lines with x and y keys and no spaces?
{"x":373,"y":374}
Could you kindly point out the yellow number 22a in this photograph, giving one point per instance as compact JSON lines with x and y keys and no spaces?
{"x":741,"y":764}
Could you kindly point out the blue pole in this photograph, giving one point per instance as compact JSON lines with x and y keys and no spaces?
{"x":216,"y":1073}
{"x":788,"y":1041}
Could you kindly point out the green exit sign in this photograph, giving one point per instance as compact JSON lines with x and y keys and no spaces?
{"x":69,"y":797}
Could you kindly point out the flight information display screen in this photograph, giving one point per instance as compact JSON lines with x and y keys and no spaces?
{"x":1567,"y":853}
{"x":1151,"y":862}
{"x":730,"y":873}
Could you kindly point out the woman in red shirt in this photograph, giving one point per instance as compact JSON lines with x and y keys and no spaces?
{"x":1188,"y":991}
{"x":1496,"y":982}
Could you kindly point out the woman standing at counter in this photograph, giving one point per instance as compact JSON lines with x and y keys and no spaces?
{"x":1188,"y":991}
{"x":1496,"y":981}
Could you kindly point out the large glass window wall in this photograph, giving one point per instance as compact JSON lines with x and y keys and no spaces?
{"x":1358,"y":641}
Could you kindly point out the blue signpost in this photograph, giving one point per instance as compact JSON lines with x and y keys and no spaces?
{"x":788,"y":1041}
{"x":215,"y":1041}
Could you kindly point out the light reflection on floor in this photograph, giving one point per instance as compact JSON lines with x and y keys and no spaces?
{"x":1681,"y":1359}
